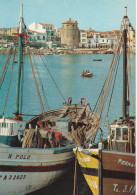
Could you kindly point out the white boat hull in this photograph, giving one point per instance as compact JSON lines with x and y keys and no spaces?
{"x":26,"y":170}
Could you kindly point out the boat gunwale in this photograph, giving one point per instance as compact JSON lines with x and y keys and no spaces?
{"x":56,"y":150}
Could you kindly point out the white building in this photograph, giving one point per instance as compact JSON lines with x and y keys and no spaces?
{"x":35,"y":36}
{"x":83,"y":39}
{"x":42,"y":32}
{"x":94,"y":39}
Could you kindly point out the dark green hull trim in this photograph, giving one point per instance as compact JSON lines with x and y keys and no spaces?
{"x":9,"y":140}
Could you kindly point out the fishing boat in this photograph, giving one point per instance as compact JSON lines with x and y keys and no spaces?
{"x":109,"y":166}
{"x":86,"y":73}
{"x":36,"y":152}
{"x":97,"y":59}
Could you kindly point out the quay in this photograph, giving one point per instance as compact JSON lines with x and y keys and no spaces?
{"x":68,"y":51}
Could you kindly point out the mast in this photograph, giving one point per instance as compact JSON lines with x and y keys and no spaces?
{"x":125,"y":76}
{"x":21,"y":23}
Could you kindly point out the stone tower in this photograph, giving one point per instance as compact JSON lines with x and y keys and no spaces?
{"x":70,"y":33}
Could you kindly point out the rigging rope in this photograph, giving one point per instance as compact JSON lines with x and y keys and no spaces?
{"x":107,"y":89}
{"x":5,"y":68}
{"x":9,"y":84}
{"x":45,"y":99}
{"x":96,"y":107}
{"x":108,"y":82}
{"x":53,"y":79}
{"x":110,"y":99}
{"x":41,"y":104}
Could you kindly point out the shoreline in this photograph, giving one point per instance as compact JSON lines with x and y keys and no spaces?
{"x":68,"y":51}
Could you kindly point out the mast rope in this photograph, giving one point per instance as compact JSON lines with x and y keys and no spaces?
{"x":110,"y":82}
{"x":40,"y":100}
{"x":100,"y":104}
{"x":5,"y":67}
{"x":9,"y":84}
{"x":42,"y":87}
{"x":52,"y":78}
{"x":105,"y":92}
{"x":110,"y":100}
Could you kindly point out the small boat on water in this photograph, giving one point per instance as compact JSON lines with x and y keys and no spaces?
{"x":39,"y":54}
{"x":97,"y":59}
{"x":36,"y":152}
{"x":86,"y":73}
{"x":109,"y":167}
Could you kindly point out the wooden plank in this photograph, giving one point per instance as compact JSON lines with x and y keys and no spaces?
{"x":118,"y":161}
{"x":118,"y":186}
{"x":63,"y":112}
{"x":100,"y":186}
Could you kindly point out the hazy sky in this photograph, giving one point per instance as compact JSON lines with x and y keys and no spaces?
{"x":100,"y":15}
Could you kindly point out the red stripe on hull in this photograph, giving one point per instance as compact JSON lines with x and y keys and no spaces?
{"x":49,"y":168}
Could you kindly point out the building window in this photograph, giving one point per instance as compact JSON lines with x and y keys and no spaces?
{"x":83,"y":40}
{"x":11,"y":126}
{"x":43,"y":37}
{"x":52,"y":33}
{"x":38,"y":37}
{"x":97,"y":36}
{"x":83,"y":35}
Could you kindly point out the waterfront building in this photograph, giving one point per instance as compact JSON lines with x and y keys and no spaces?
{"x":70,"y":33}
{"x":7,"y":37}
{"x":35,"y":36}
{"x":57,"y":34}
{"x":83,"y":39}
{"x":11,"y":31}
{"x":42,"y":32}
{"x":94,"y":39}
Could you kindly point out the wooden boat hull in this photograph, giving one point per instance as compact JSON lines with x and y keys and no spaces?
{"x":97,"y":59}
{"x":24,"y":170}
{"x":87,"y":75}
{"x":114,"y":174}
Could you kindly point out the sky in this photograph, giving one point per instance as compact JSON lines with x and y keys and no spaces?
{"x":100,"y":15}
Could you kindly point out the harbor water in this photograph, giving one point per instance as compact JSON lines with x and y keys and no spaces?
{"x":66,"y":71}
